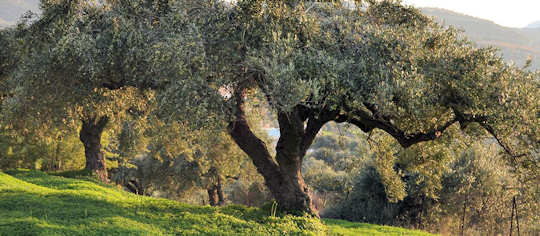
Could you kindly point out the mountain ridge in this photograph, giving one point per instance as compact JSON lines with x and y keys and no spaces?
{"x":516,"y":44}
{"x":534,"y":25}
{"x":11,"y":10}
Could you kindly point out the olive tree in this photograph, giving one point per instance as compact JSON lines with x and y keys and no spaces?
{"x":178,"y":161}
{"x":380,"y":66}
{"x":376,"y":66}
{"x":66,"y":63}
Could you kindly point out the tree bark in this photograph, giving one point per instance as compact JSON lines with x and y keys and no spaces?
{"x":215,"y":191}
{"x":90,"y":136}
{"x":135,"y":187}
{"x":219,"y":189}
{"x":215,"y":194}
{"x":212,"y":195}
{"x":283,"y":175}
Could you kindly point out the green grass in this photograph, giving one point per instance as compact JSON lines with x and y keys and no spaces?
{"x":342,"y":227}
{"x":35,"y":203}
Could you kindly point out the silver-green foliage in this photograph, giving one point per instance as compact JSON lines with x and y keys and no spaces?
{"x":385,"y":65}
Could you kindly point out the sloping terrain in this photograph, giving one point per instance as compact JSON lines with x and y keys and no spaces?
{"x":35,"y":203}
{"x":343,"y":227}
{"x":11,"y":10}
{"x":516,"y":44}
{"x":533,"y":25}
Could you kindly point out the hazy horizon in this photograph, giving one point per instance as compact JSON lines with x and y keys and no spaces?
{"x":517,"y":14}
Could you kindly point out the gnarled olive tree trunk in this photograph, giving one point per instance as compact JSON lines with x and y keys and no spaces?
{"x":212,"y":196}
{"x":283,"y":175}
{"x":90,"y":136}
{"x":215,"y":191}
{"x":215,"y":195}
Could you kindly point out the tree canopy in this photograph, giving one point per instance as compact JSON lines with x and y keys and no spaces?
{"x":384,"y":67}
{"x":375,"y":65}
{"x":67,"y":60}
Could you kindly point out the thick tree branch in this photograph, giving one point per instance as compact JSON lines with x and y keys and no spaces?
{"x":231,"y":177}
{"x":288,"y":148}
{"x":102,"y":122}
{"x":356,"y":122}
{"x":254,"y":147}
{"x":314,"y":125}
{"x":367,"y":122}
{"x":312,"y":129}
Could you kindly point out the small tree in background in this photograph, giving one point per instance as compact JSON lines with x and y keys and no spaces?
{"x":64,"y":74}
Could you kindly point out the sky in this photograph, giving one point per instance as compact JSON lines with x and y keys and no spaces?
{"x":509,"y":13}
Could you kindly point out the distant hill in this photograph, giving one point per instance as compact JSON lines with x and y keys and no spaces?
{"x":533,"y":25}
{"x":11,"y":10}
{"x":516,"y":44}
{"x":4,"y":23}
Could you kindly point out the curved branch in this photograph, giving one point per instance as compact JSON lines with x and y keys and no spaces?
{"x":253,"y":146}
{"x":406,"y":140}
{"x":312,"y":129}
{"x":505,"y":146}
{"x":316,"y":119}
{"x":367,"y":122}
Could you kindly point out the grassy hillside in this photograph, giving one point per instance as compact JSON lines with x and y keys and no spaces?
{"x":343,"y":227}
{"x":34,"y":203}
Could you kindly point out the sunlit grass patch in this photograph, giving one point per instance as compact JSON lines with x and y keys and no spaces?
{"x":35,"y":203}
{"x":342,"y":227}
